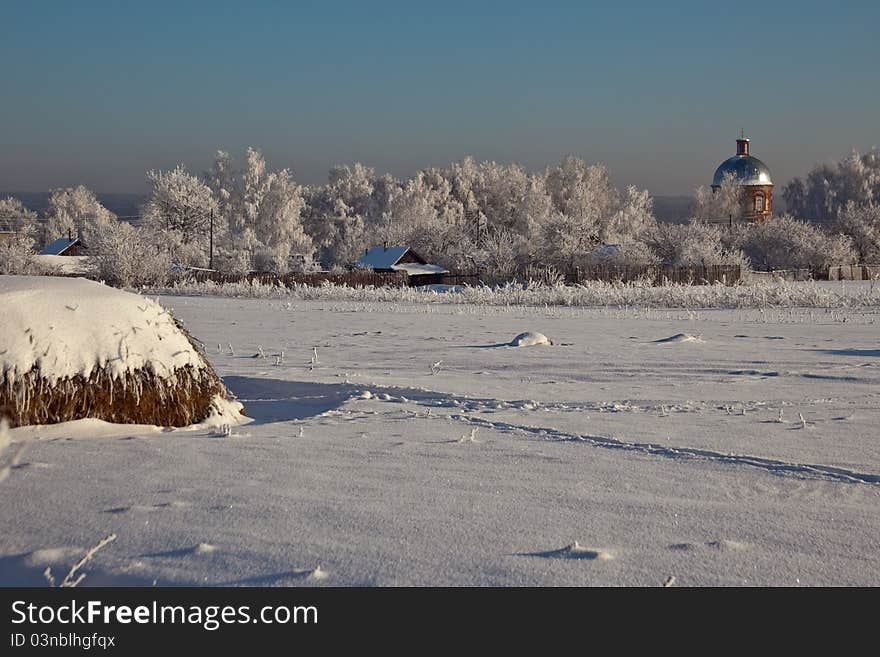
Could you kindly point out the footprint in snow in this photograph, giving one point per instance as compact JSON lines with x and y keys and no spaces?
{"x":199,"y":549}
{"x":679,"y":337}
{"x":52,"y":556}
{"x":118,"y":509}
{"x":722,"y":545}
{"x":725,"y":545}
{"x":574,"y":551}
{"x":141,"y":508}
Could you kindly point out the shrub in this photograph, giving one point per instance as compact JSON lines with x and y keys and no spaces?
{"x":786,"y":243}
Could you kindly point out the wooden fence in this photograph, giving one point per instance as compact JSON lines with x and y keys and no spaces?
{"x":315,"y":279}
{"x":654,"y":275}
{"x":832,"y":273}
{"x":854,"y":273}
{"x":658,"y":274}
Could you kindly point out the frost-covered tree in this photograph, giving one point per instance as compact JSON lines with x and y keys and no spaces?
{"x":828,"y":188}
{"x":264,"y":211}
{"x":786,"y":243}
{"x":499,"y":190}
{"x":233,"y":251}
{"x":337,"y":214}
{"x":17,"y":253}
{"x":221,"y":179}
{"x":632,"y":221}
{"x":533,"y":209}
{"x":411,"y":217}
{"x":565,"y":240}
{"x":582,"y":192}
{"x":501,"y":254}
{"x":589,"y":212}
{"x":631,"y":253}
{"x":719,"y":205}
{"x":178,"y":215}
{"x":74,"y":211}
{"x":585,"y":193}
{"x":127,"y":257}
{"x":284,"y":244}
{"x":255,"y":183}
{"x":861,"y":222}
{"x":693,"y":245}
{"x":463,"y":177}
{"x":15,"y":217}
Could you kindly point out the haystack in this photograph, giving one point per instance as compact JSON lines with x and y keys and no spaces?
{"x":72,"y":348}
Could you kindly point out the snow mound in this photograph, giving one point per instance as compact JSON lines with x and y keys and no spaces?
{"x":680,"y":337}
{"x":529,"y":339}
{"x":66,"y":327}
{"x":318,"y":574}
{"x":575,"y":551}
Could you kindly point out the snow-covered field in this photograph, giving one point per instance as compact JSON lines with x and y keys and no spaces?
{"x":410,"y":444}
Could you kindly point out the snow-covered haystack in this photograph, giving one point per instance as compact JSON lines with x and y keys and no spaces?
{"x":529,"y":339}
{"x":72,"y":348}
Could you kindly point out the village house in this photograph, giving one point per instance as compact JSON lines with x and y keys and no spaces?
{"x":402,"y":259}
{"x":64,"y":246}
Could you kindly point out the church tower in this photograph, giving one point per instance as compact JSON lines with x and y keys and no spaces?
{"x":753,"y":177}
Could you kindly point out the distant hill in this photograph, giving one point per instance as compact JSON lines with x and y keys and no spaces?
{"x":120,"y":204}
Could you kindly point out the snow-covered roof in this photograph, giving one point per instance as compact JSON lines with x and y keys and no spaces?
{"x":380,"y":257}
{"x":415,"y":268}
{"x":746,"y":169}
{"x":59,"y":246}
{"x":71,"y":326}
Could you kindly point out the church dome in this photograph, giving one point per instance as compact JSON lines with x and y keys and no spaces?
{"x":747,"y":170}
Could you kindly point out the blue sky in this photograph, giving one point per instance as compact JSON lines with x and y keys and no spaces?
{"x":99,"y":92}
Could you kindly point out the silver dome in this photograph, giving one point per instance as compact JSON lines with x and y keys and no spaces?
{"x":748,"y":170}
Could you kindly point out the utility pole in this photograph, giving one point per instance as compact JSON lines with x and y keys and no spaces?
{"x":211,"y":243}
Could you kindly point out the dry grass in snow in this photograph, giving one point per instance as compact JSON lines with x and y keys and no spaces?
{"x":776,"y":294}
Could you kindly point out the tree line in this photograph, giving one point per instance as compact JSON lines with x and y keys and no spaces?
{"x":494,"y":218}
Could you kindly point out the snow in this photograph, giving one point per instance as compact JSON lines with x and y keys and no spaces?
{"x":610,"y":459}
{"x":414,"y":269}
{"x":64,"y":264}
{"x":530,"y":339}
{"x":71,"y":326}
{"x":680,"y":337}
